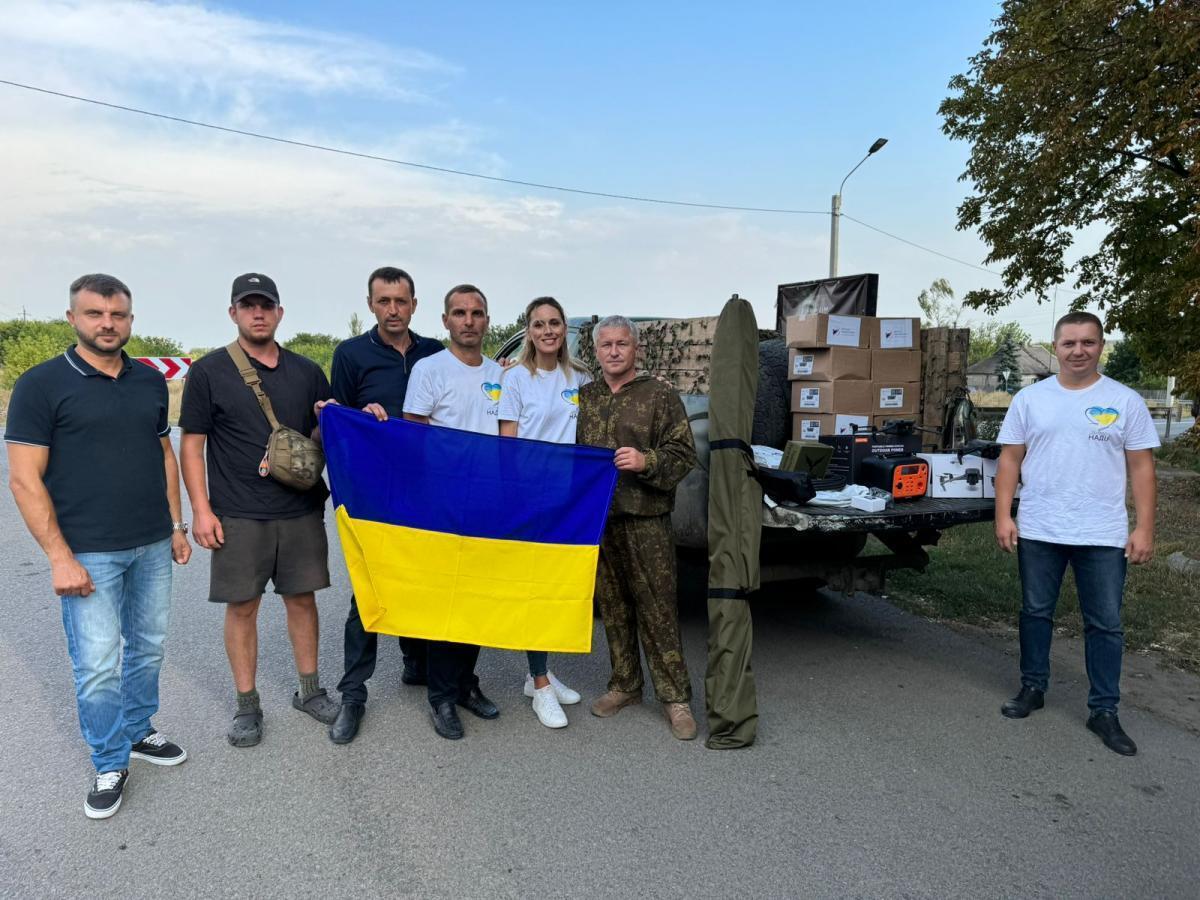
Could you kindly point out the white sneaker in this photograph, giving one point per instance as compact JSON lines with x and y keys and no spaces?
{"x":545,"y":704}
{"x":565,"y":695}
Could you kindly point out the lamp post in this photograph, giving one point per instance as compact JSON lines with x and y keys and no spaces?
{"x":835,"y":211}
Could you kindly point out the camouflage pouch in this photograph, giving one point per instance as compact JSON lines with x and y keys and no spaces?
{"x":292,"y":459}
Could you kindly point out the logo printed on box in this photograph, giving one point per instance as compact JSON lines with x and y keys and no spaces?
{"x":803,"y":364}
{"x":810,"y":398}
{"x":843,"y":331}
{"x":891,"y":398}
{"x":895,"y":333}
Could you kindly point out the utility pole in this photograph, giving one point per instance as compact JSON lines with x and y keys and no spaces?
{"x":835,"y":209}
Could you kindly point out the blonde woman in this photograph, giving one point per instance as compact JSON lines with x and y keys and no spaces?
{"x":540,"y":400}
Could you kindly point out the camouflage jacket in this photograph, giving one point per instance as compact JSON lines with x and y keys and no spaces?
{"x":648,"y":416}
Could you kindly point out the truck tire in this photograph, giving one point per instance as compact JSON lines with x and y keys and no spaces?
{"x":772,"y":425}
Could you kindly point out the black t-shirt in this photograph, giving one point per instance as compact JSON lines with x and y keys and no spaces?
{"x":105,"y":474}
{"x":366,"y":370}
{"x":219,"y":404}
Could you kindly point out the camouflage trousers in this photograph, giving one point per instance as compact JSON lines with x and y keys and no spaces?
{"x":635,"y":588}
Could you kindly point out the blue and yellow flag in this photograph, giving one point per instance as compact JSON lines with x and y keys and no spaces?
{"x":456,"y":536}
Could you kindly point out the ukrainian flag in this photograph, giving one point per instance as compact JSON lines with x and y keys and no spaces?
{"x":455,"y":536}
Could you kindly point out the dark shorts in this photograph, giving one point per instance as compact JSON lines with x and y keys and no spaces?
{"x":293,"y":554}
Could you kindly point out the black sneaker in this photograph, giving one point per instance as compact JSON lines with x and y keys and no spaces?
{"x":104,"y":799}
{"x":154,"y":748}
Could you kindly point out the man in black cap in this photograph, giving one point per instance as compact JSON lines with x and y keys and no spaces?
{"x":371,"y":372}
{"x":258,"y":529}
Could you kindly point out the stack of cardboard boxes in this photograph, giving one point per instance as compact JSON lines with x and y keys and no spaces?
{"x":852,"y":371}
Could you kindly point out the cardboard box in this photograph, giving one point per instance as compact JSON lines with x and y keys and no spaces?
{"x":811,"y":426}
{"x":948,"y":477}
{"x":894,"y":334}
{"x":853,"y":397}
{"x":825,"y":330}
{"x":896,"y":365}
{"x":899,"y":400}
{"x":989,"y":479}
{"x":829,"y":364}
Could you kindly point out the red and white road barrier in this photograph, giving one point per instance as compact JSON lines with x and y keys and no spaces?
{"x":172,"y":367}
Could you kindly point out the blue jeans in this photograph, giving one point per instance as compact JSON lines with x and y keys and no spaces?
{"x":117,"y":689}
{"x":1100,"y":580}
{"x":539,"y":662}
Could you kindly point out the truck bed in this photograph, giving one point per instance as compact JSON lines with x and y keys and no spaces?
{"x":908,"y":515}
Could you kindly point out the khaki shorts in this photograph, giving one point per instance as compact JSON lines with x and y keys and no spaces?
{"x":293,"y":554}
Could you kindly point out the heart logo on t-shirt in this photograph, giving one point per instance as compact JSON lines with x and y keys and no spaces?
{"x":571,"y":395}
{"x":492,"y":391}
{"x":1102,"y":415}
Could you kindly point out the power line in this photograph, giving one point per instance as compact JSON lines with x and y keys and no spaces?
{"x":408,"y":163}
{"x":493,"y":178}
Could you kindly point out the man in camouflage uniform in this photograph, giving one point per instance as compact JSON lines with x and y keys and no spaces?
{"x":644,"y":421}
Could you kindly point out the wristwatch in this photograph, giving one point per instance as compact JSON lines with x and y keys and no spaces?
{"x":180,"y":526}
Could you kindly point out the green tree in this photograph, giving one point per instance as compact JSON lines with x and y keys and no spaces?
{"x":938,"y":307}
{"x":356,"y":325}
{"x":149,"y":345}
{"x":1084,"y":114}
{"x":1006,"y":362}
{"x":987,"y":338}
{"x":26,"y":350}
{"x":498,"y":334}
{"x":1124,"y":364}
{"x":317,"y":347}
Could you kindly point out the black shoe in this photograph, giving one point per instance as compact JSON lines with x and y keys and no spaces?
{"x":1108,"y":727}
{"x":413,"y":674}
{"x":104,"y":799}
{"x":446,"y":721}
{"x":345,"y":726}
{"x":154,"y":748}
{"x":478,"y":704}
{"x":1027,"y":700}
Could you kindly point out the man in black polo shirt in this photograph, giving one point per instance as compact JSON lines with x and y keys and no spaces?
{"x":370,"y":372}
{"x":258,"y":529}
{"x":94,"y":475}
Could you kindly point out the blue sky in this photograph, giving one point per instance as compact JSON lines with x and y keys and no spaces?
{"x":765,"y":104}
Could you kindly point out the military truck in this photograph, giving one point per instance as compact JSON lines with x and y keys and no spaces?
{"x":808,"y":543}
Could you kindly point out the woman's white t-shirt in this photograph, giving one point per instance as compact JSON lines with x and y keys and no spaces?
{"x":1073,"y":474}
{"x":545,"y":405}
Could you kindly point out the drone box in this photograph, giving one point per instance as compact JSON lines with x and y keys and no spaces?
{"x":849,"y":397}
{"x":950,"y":476}
{"x":989,"y":480}
{"x":900,"y":400}
{"x":813,"y":426}
{"x":902,"y":366}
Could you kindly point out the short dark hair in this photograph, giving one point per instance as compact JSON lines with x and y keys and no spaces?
{"x":391,"y":275}
{"x":465,"y":289}
{"x":1079,"y":317}
{"x":104,"y":285}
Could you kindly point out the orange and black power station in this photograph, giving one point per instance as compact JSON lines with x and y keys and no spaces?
{"x":904,"y":477}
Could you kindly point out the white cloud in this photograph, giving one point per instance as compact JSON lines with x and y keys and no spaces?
{"x":200,"y":54}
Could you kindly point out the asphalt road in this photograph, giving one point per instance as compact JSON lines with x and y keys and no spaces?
{"x":883,"y":769}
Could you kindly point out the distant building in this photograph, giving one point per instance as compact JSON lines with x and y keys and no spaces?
{"x":1034,"y":363}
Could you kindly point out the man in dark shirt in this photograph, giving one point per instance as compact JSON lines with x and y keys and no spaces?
{"x":645,"y":422}
{"x":258,"y":529}
{"x":370,"y":372}
{"x":92,"y":470}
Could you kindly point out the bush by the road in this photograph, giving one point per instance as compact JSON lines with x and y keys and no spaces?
{"x":25,"y":343}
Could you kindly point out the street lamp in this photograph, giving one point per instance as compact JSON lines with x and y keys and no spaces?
{"x":836,"y":209}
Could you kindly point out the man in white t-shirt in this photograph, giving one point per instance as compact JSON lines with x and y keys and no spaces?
{"x":1072,"y":440}
{"x":459,"y":389}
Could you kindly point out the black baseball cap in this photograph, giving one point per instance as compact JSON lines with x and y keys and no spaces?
{"x":253,"y":284}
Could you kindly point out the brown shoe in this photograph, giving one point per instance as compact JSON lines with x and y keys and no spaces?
{"x":613,"y":702}
{"x":683,"y":726}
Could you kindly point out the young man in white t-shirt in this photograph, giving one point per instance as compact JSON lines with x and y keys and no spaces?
{"x":459,"y":389}
{"x":1072,"y":440}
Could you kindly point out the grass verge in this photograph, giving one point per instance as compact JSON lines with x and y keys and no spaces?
{"x":969,"y":580}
